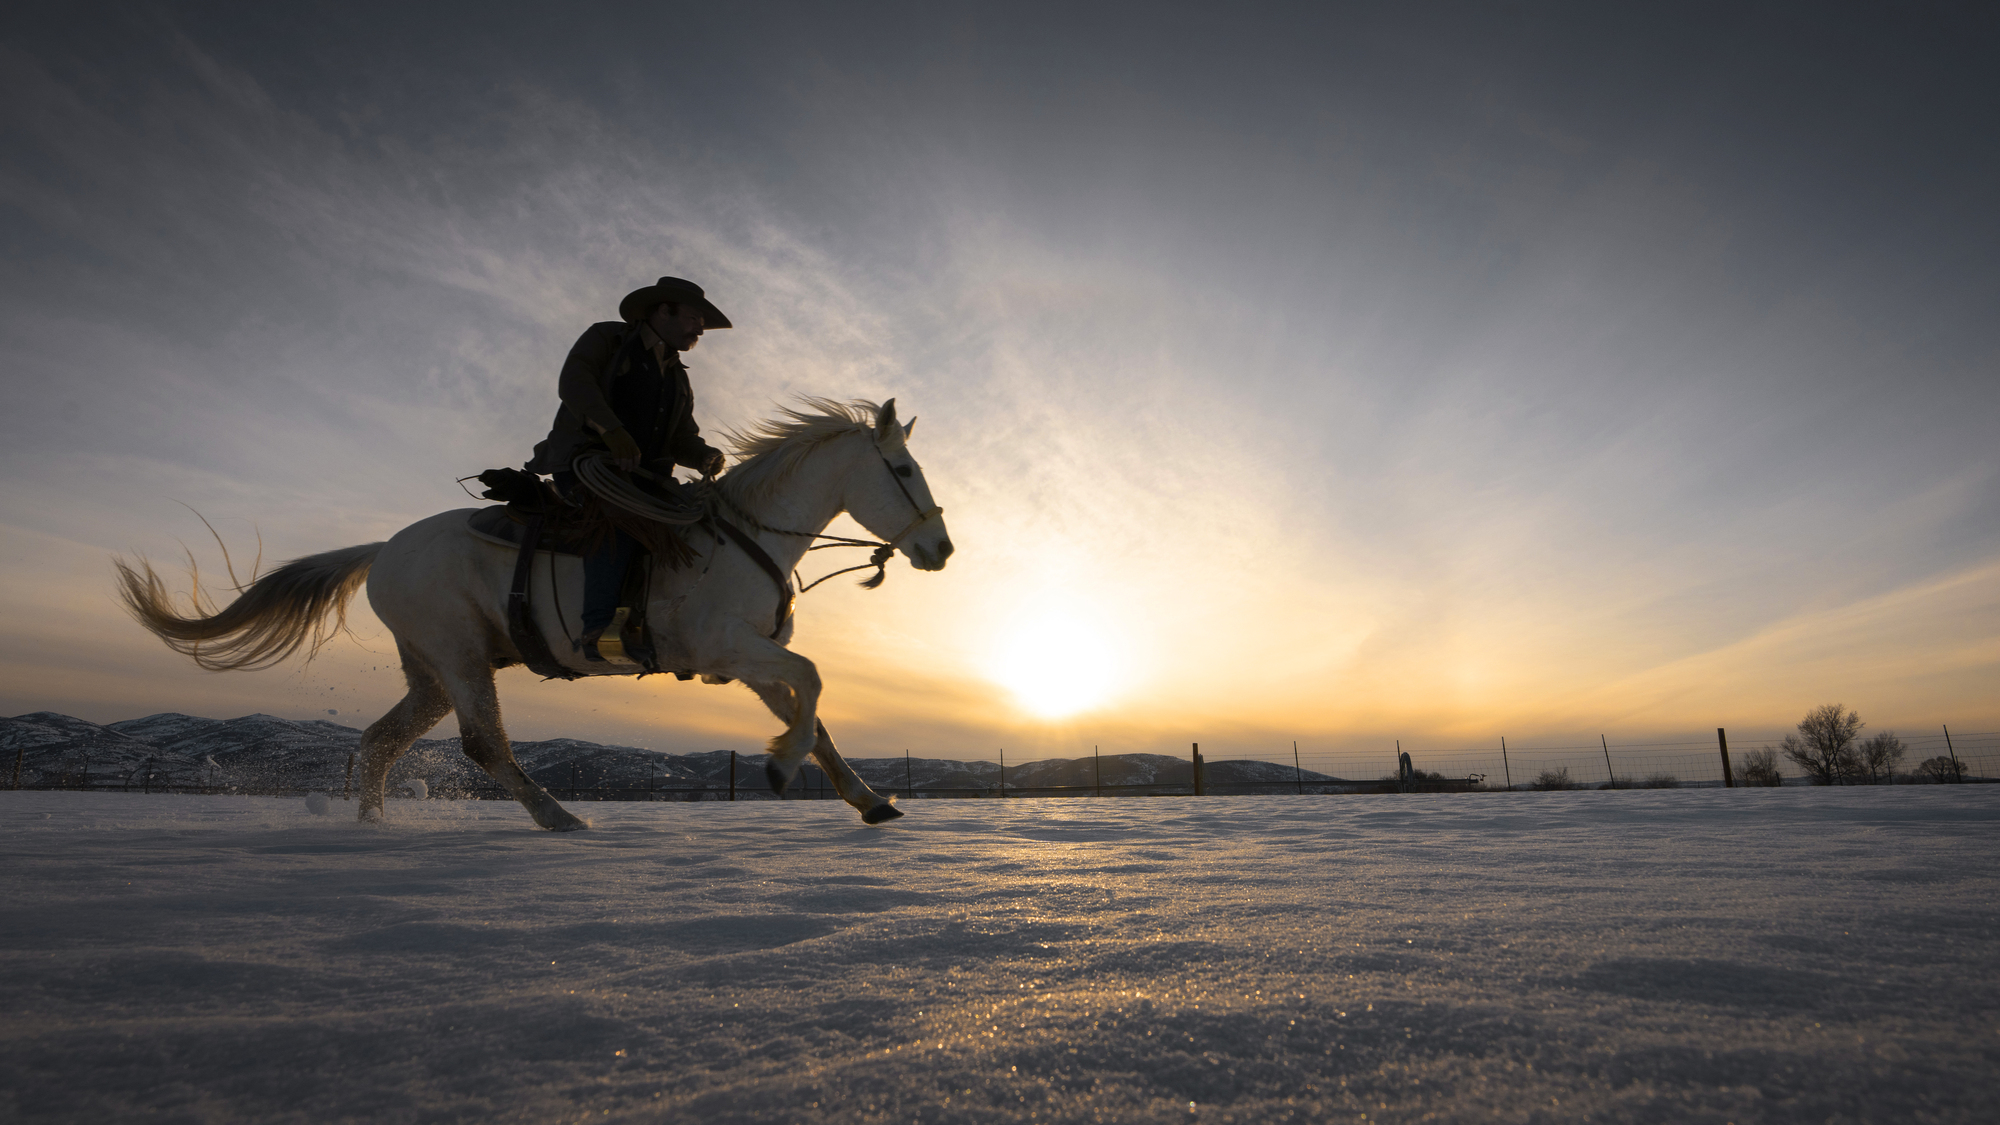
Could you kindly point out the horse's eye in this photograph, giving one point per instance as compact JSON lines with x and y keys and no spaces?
{"x":902,"y":470}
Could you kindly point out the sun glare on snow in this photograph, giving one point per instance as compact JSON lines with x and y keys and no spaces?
{"x":1056,"y":662}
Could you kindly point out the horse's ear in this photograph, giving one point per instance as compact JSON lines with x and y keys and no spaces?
{"x":908,"y":427}
{"x":885,"y":421}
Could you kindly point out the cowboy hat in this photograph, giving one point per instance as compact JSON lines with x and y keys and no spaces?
{"x":638,"y":304}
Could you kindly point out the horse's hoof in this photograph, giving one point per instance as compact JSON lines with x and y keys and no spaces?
{"x":371,"y":816}
{"x":776,"y":777}
{"x":880,"y":813}
{"x":561,"y":820}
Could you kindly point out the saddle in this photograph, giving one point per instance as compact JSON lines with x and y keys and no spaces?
{"x":532,"y":518}
{"x":535,"y":517}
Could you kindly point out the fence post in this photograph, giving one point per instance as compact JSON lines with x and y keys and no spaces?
{"x":732,"y":775}
{"x":1298,"y":774}
{"x":1957,"y":771}
{"x":1003,"y":772}
{"x":1503,"y":763}
{"x":1198,"y":788}
{"x":1609,"y":773}
{"x":347,"y":786}
{"x":1728,"y":776}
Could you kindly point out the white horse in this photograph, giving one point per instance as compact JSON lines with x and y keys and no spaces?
{"x":442,"y":591}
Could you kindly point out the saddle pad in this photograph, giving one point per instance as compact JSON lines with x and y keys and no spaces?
{"x":498,"y":524}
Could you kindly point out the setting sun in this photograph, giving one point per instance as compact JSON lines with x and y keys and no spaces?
{"x":1056,"y":661}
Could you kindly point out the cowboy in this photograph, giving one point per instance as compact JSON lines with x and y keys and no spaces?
{"x":624,"y":390}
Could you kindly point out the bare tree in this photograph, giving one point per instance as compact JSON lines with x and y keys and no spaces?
{"x":1760,"y":767}
{"x":1554,"y":779}
{"x":1940,"y":769}
{"x":1879,"y":756}
{"x":1824,"y":746}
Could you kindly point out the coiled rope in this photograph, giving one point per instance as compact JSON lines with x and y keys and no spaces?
{"x":599,"y":472}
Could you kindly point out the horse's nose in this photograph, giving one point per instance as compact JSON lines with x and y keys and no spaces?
{"x":943,"y":549}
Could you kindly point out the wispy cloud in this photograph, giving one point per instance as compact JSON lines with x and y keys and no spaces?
{"x":1336,"y":414}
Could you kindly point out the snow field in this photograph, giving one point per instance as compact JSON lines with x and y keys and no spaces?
{"x":1668,"y":955}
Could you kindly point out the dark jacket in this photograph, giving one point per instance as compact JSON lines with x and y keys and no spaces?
{"x":604,"y":356}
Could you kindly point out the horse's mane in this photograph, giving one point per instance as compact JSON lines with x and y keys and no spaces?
{"x":773,"y":449}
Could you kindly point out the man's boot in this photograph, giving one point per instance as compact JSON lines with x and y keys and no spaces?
{"x":606,"y":645}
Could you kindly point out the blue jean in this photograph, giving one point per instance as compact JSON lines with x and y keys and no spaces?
{"x":604,"y":578}
{"x":603,"y":568}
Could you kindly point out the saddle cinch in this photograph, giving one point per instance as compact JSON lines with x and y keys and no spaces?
{"x":532,"y":517}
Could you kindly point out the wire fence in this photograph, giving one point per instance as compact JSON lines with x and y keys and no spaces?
{"x":1972,"y":757}
{"x":1691,"y":763}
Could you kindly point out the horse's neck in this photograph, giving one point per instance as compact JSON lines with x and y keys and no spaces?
{"x":807,"y":501}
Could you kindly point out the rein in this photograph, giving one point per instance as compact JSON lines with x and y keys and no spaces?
{"x":885,"y":549}
{"x":595,"y":471}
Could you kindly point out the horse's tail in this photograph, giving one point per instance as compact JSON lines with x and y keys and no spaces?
{"x":273,"y":618}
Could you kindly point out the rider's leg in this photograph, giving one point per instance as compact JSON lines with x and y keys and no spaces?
{"x":603,"y":581}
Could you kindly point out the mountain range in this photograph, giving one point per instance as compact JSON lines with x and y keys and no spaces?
{"x":264,"y":753}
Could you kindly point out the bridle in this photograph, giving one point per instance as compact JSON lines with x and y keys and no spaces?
{"x":885,"y":549}
{"x":923,"y":513}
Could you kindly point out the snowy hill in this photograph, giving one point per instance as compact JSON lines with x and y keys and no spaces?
{"x":267,"y":753}
{"x":45,"y":743}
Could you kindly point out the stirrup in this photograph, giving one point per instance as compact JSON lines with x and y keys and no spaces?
{"x":607,"y":645}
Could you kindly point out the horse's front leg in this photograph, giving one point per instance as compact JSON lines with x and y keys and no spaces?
{"x":874,"y":807}
{"x":789,"y":685}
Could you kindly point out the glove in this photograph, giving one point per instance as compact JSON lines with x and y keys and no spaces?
{"x":622,"y":447}
{"x":713,"y":464}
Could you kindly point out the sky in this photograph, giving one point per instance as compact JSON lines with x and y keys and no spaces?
{"x":1339,"y":374}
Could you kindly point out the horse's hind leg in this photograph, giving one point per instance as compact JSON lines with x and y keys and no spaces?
{"x":387,"y":737}
{"x":484,"y":740}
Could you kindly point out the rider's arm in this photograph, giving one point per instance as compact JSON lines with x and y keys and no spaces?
{"x":590,"y":361}
{"x":688,"y":449}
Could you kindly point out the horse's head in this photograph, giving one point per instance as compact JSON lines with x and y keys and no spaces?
{"x":893,"y":500}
